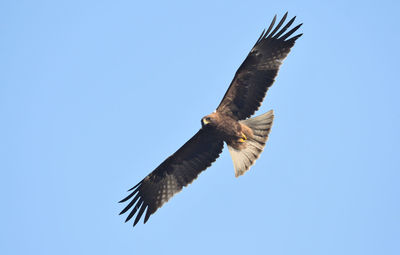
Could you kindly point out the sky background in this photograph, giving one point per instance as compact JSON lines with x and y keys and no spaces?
{"x":95,"y":94}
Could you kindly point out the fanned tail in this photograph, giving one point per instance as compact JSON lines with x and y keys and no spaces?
{"x":244,"y":158}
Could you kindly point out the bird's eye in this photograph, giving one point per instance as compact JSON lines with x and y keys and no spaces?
{"x":208,"y":119}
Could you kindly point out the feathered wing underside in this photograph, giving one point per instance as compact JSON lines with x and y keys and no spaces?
{"x":243,"y":159}
{"x":258,"y":71}
{"x":177,"y":171}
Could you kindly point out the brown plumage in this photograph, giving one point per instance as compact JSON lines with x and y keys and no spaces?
{"x":244,"y":137}
{"x":228,"y":129}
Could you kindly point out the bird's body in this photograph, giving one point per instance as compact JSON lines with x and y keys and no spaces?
{"x":230,"y":123}
{"x":232,"y":132}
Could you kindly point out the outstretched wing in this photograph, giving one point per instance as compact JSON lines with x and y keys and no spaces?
{"x":177,"y":171}
{"x":258,"y":71}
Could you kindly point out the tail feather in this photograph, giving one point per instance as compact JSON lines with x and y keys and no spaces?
{"x":244,"y":158}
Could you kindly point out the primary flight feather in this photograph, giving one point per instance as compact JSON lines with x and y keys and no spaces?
{"x":244,"y":137}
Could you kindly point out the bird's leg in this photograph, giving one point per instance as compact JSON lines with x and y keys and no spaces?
{"x":243,"y":138}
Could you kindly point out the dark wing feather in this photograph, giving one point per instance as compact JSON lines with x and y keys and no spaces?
{"x":258,"y":71}
{"x":177,"y":171}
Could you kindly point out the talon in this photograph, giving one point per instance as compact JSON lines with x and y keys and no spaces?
{"x":243,"y":138}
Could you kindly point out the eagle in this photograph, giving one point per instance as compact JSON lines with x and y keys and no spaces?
{"x":230,"y":123}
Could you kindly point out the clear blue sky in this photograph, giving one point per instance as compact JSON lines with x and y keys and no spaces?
{"x":91,"y":93}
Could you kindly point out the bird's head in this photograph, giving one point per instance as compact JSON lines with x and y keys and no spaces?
{"x":209,"y":120}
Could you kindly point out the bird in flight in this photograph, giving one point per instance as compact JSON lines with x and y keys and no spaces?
{"x":230,"y":123}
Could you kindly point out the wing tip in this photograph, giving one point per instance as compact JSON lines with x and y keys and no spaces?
{"x":277,"y":32}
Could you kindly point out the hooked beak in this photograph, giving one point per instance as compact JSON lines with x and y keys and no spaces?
{"x":204,"y":122}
